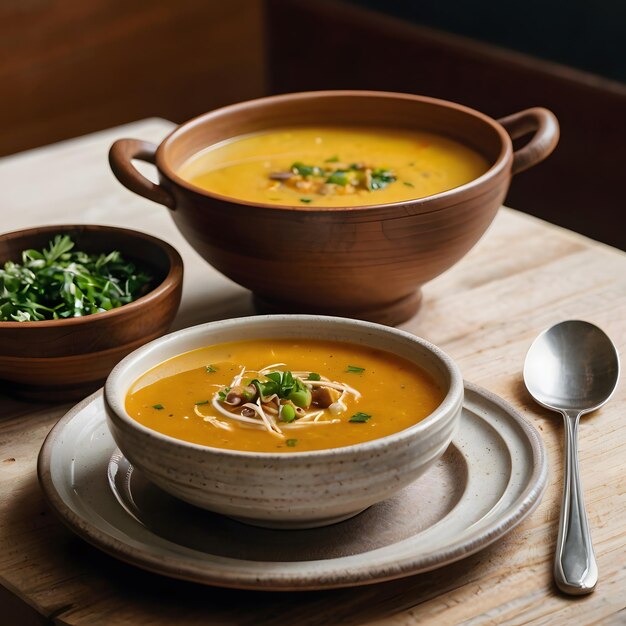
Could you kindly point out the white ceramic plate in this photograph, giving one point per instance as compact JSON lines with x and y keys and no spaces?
{"x":491,"y":477}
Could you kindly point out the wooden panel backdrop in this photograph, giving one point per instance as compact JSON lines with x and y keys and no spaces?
{"x":69,"y":67}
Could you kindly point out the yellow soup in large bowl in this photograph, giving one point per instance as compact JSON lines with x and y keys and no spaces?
{"x":333,"y":166}
{"x":283,"y":395}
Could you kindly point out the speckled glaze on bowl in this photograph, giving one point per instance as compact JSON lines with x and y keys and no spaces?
{"x":286,"y":490}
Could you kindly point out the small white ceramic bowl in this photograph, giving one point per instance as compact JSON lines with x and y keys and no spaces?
{"x":296,"y":489}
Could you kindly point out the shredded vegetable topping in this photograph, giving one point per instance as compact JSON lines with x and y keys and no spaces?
{"x":278,"y":401}
{"x":332,"y":177}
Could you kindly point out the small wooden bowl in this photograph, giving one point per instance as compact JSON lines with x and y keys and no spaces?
{"x":368,"y":262}
{"x":66,"y":359}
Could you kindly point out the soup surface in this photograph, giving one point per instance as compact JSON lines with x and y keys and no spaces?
{"x":283,"y":395}
{"x":333,"y":166}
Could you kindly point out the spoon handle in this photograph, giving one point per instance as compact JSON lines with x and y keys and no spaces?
{"x":575,"y":568}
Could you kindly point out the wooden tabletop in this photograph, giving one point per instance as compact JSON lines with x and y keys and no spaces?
{"x":522,"y":277}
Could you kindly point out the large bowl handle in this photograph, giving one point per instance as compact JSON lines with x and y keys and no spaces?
{"x":543,"y":124}
{"x":121,"y":154}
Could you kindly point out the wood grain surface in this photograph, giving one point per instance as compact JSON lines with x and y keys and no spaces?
{"x":522,"y":277}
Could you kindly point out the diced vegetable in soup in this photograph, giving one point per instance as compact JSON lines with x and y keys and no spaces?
{"x":282,"y":395}
{"x":328,"y":166}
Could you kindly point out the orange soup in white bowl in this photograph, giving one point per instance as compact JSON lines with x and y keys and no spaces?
{"x":342,"y":415}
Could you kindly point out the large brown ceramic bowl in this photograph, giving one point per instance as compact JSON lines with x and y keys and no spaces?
{"x":66,"y":359}
{"x":366,"y":262}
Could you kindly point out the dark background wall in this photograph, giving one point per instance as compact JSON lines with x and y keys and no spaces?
{"x":586,"y":34}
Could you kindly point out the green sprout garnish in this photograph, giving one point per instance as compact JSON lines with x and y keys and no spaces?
{"x":286,"y":386}
{"x":278,"y":398}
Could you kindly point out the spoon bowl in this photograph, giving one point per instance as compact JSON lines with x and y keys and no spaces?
{"x":572,"y":368}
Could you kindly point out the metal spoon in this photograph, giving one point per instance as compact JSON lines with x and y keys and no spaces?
{"x":572,"y":368}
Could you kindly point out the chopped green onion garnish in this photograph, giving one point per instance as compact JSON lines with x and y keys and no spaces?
{"x":333,"y":159}
{"x":158,"y":407}
{"x":360,"y":418}
{"x":355,"y":369}
{"x":306,"y":200}
{"x":202,"y":402}
{"x":291,"y":442}
{"x":408,"y":184}
{"x":210,"y":369}
{"x":314,"y":376}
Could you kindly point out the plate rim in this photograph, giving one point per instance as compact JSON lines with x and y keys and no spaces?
{"x":503,"y":523}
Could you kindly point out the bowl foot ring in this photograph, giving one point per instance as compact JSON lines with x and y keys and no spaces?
{"x":390,"y":313}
